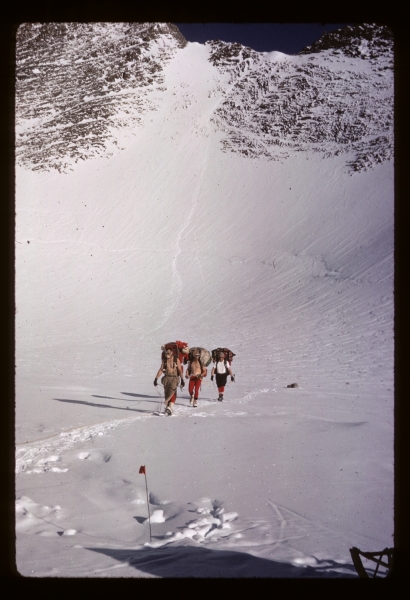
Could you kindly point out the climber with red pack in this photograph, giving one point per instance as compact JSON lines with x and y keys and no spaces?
{"x":172,"y":373}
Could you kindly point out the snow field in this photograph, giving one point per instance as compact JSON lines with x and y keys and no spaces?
{"x":240,"y":460}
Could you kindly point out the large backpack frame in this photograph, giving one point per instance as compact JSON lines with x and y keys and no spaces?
{"x":204,"y":355}
{"x":179,"y":350}
{"x":228,"y":355}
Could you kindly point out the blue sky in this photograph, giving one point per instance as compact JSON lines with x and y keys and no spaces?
{"x":263,"y":37}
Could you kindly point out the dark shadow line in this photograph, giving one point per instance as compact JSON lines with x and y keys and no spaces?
{"x":93,"y":404}
{"x":138,"y":395}
{"x":108,"y":397}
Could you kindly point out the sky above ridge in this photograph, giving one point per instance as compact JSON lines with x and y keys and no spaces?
{"x":288,"y":38}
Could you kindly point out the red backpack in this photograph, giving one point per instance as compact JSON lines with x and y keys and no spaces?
{"x":179,"y":350}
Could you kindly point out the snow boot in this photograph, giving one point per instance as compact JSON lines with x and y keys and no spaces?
{"x":195,"y":404}
{"x":191,"y":401}
{"x":221,"y":397}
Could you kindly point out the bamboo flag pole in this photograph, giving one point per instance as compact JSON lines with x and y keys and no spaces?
{"x":142,"y":471}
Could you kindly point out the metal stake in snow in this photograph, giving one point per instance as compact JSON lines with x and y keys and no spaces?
{"x":142,"y":471}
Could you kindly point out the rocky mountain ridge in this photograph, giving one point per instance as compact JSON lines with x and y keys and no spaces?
{"x":367,"y":41}
{"x":79,"y":84}
{"x":334,"y":97}
{"x":76,"y":83}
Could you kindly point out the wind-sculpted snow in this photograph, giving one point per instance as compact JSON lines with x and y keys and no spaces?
{"x":77,"y":83}
{"x":327,"y":100}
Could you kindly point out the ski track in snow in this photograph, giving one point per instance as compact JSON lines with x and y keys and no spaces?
{"x":40,"y":456}
{"x":202,"y":124}
{"x":176,"y":286}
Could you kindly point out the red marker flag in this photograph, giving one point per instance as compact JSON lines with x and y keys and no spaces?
{"x":143,"y":472}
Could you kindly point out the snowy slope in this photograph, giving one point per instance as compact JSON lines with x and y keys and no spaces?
{"x":289,"y":262}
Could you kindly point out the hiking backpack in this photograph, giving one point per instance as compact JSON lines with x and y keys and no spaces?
{"x":228,"y":355}
{"x":204,"y":355}
{"x":179,"y":350}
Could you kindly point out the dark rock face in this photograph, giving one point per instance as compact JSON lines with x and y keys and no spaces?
{"x":362,"y":41}
{"x":224,"y":54}
{"x":329,"y":101}
{"x":78,"y":81}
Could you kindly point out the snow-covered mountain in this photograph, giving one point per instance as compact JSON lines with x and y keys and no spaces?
{"x":212,"y":194}
{"x":334,"y":97}
{"x":76,"y":83}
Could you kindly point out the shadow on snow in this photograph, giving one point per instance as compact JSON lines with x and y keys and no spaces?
{"x":138,"y":395}
{"x":95,"y":405}
{"x":192,"y":561}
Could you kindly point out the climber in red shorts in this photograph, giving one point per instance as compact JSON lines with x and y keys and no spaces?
{"x":195,"y":371}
